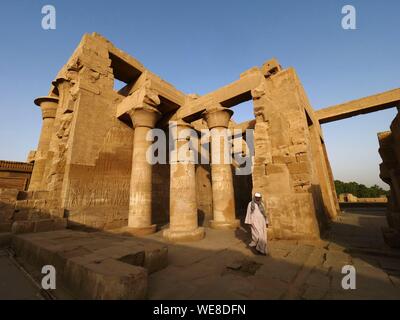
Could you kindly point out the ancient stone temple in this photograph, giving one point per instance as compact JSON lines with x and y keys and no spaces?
{"x":90,"y":166}
{"x":127,"y":167}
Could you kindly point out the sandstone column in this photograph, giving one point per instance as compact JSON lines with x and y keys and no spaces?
{"x":48,"y":105}
{"x":144,"y":118}
{"x":217,"y":118}
{"x":183,"y":198}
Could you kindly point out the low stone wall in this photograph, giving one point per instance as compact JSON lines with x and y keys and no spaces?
{"x":94,"y":265}
{"x":15,"y":175}
{"x":349,"y":198}
{"x":349,"y":205}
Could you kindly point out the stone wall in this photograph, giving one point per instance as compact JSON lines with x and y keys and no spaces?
{"x":289,"y":166}
{"x":389,"y":150}
{"x":348,"y":197}
{"x":15,"y":175}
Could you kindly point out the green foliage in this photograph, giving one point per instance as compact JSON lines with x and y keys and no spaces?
{"x":359,"y":190}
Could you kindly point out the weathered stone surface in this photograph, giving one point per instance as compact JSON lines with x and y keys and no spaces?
{"x":89,"y":161}
{"x":93,"y":277}
{"x":90,"y":165}
{"x":94,"y":265}
{"x":43,"y":225}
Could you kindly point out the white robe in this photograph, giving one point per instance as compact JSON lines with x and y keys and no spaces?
{"x":258,"y":223}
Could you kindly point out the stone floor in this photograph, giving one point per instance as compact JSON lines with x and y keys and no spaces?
{"x":221,"y":266}
{"x":15,"y":284}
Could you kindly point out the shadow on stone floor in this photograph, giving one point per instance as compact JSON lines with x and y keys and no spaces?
{"x":222,"y":267}
{"x":293,"y":271}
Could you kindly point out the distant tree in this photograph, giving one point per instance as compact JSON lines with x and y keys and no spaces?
{"x":359,"y":190}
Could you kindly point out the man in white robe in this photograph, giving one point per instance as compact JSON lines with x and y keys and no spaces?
{"x":257,"y":219}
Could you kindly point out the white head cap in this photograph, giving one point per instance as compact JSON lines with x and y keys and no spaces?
{"x":257,"y":195}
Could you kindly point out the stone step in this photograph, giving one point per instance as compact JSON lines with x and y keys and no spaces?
{"x":94,"y":265}
{"x":42,"y":225}
{"x":35,"y":210}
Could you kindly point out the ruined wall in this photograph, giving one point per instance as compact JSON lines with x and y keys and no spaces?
{"x":90,"y":164}
{"x":8,"y":198}
{"x":389,"y":150}
{"x":287,"y":163}
{"x":15,"y":175}
{"x":90,"y":154}
{"x":88,"y":168}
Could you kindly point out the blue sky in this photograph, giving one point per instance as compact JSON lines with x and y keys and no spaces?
{"x":201,"y":45}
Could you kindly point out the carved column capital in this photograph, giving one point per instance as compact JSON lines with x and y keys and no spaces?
{"x":217,"y":116}
{"x":143,"y":110}
{"x":144,"y":116}
{"x":48,"y":105}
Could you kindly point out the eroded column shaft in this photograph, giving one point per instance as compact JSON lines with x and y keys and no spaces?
{"x":222,"y":181}
{"x":141,"y":182}
{"x":144,"y":118}
{"x":224,"y":215}
{"x":183,"y":199}
{"x":48,"y":106}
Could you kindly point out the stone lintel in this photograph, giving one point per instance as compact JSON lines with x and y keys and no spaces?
{"x":171,"y":97}
{"x":228,"y":96}
{"x":141,"y":106}
{"x":381,"y":101}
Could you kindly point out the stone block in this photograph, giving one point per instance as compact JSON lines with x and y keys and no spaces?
{"x":6,"y":211}
{"x":96,"y":277}
{"x":24,"y":226}
{"x":43,"y":225}
{"x":156,"y":256}
{"x":133,"y":255}
{"x":298,"y":149}
{"x":8,"y":194}
{"x":302,"y":157}
{"x":271,"y":67}
{"x":299,"y":167}
{"x":21,"y":214}
{"x":283,"y":159}
{"x":59,"y":223}
{"x":275,"y":169}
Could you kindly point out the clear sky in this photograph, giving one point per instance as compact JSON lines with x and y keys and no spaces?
{"x":201,"y":45}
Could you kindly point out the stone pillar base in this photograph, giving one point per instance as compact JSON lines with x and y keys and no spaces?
{"x":143,"y":231}
{"x":234,"y":224}
{"x":182,"y":236}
